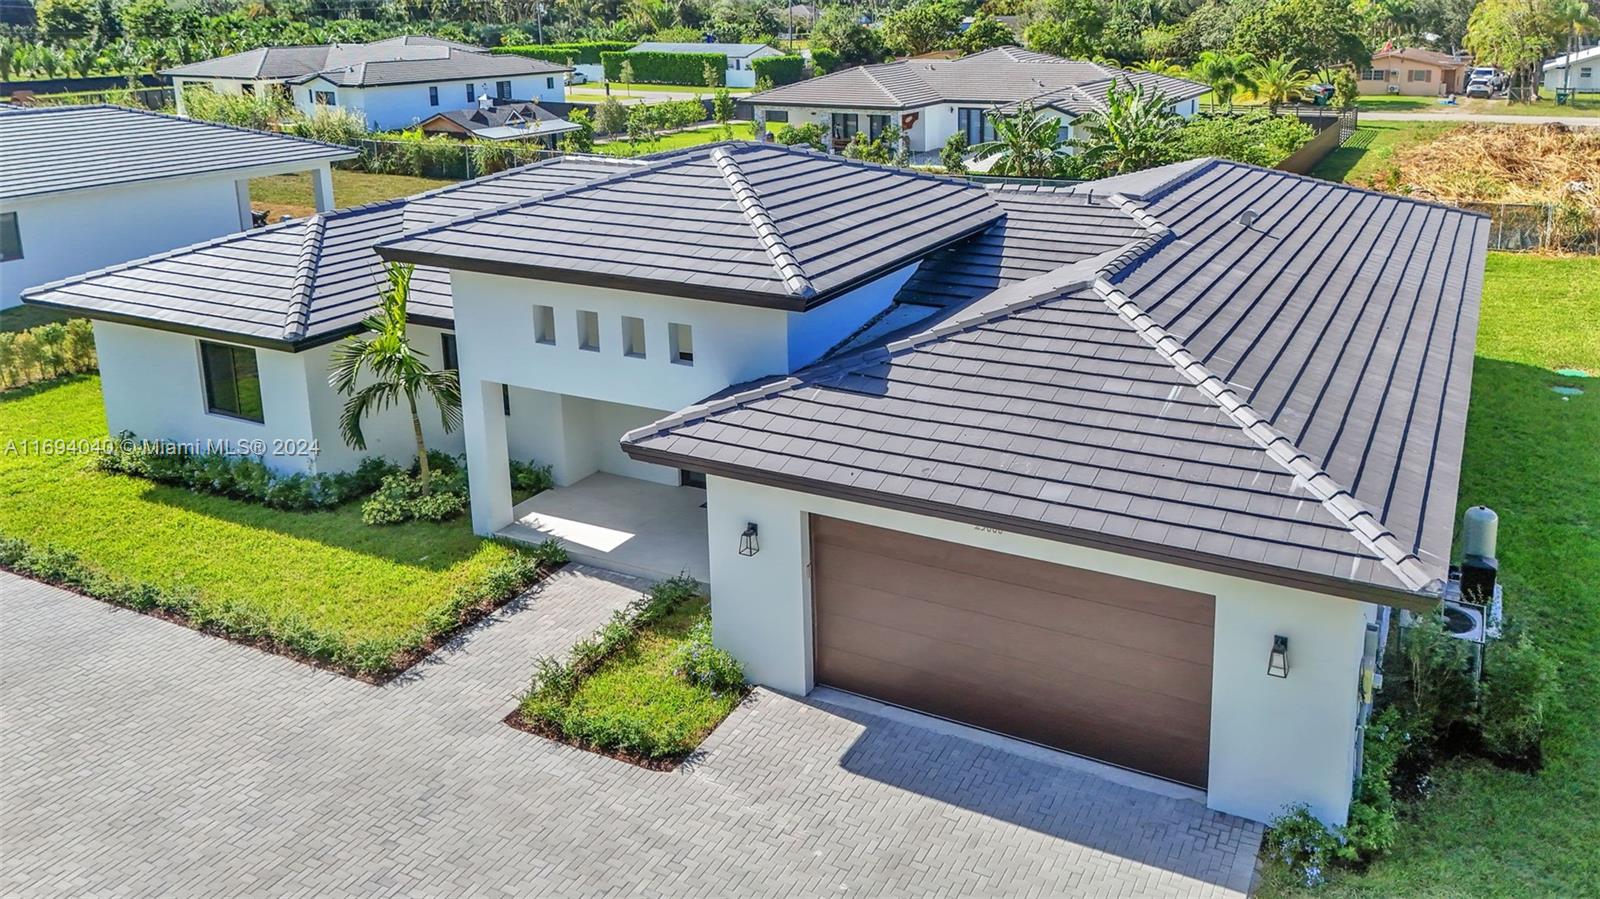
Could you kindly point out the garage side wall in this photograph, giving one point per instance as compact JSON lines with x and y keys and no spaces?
{"x":1273,"y":741}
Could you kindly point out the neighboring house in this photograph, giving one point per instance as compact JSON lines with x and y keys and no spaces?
{"x":391,"y":84}
{"x":501,"y":120}
{"x":1414,"y":73}
{"x":173,"y":331}
{"x":1585,"y":75}
{"x":741,"y":57}
{"x":929,"y":100}
{"x":86,"y":186}
{"x":1064,"y":463}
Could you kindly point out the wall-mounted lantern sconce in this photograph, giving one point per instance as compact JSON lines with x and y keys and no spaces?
{"x":749,"y":542}
{"x":1278,"y":662}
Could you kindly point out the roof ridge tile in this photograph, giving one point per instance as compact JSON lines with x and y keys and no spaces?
{"x":298,"y":315}
{"x":1361,"y":522}
{"x":749,"y":200}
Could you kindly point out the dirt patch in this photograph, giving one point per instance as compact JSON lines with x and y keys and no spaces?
{"x":1501,"y":164}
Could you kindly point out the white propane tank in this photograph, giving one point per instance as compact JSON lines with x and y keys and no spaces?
{"x":1480,"y":530}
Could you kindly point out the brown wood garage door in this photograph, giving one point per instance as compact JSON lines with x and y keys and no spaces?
{"x":1103,"y":666}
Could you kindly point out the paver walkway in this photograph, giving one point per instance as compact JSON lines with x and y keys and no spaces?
{"x":138,"y":758}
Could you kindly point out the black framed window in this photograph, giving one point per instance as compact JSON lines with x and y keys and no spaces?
{"x":10,"y":237}
{"x":876,"y":125}
{"x":777,"y":115}
{"x":974,"y":124}
{"x":322,"y":98}
{"x":472,"y":94}
{"x":502,"y":90}
{"x":550,"y":83}
{"x":233,"y":384}
{"x":845,"y":125}
{"x":447,"y":352}
{"x":433,"y":96}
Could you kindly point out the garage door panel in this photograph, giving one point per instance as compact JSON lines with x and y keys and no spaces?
{"x":1101,"y":622}
{"x":1010,"y":644}
{"x":1176,"y":756}
{"x":1083,"y":661}
{"x":1067,"y":695}
{"x":1156,"y":599}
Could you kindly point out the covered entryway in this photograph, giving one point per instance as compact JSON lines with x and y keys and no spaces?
{"x":1111,"y":668}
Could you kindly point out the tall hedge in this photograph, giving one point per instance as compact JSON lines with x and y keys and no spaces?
{"x":579,"y":53}
{"x":652,"y":67}
{"x":780,"y":69}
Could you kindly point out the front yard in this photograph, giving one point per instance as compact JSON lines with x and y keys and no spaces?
{"x":375,"y":592}
{"x":1364,"y":155}
{"x":1534,"y":457}
{"x":291,"y":194}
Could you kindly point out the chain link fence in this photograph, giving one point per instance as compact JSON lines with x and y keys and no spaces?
{"x":1566,"y":227}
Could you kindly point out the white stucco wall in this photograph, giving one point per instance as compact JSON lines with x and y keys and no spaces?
{"x":151,"y":384}
{"x":1273,"y":741}
{"x":400,"y":106}
{"x":71,"y":233}
{"x":1556,"y":78}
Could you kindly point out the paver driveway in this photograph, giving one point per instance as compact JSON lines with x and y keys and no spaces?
{"x":141,"y":758}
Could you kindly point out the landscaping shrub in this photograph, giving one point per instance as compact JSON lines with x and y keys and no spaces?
{"x":240,"y":477}
{"x":372,"y":658}
{"x":654,"y":67}
{"x":1258,"y":139}
{"x":529,"y":478}
{"x":330,"y":124}
{"x":823,"y":60}
{"x":259,"y":111}
{"x":780,"y":70}
{"x":1301,"y":843}
{"x":1432,"y":683}
{"x":953,"y":155}
{"x":45,"y":352}
{"x":700,"y":662}
{"x":810,"y":135}
{"x":571,"y":54}
{"x":1521,"y":682}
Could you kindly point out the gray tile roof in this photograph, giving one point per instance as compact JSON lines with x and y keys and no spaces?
{"x":729,"y":50}
{"x":1004,"y":75}
{"x":53,"y":149}
{"x":398,"y":60}
{"x":740,"y":222}
{"x":1285,"y":402}
{"x":305,"y":281}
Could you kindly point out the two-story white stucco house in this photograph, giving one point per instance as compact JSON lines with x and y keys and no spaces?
{"x":1117,"y":469}
{"x":741,"y":57}
{"x":931,"y":99}
{"x":392,"y":84}
{"x":86,"y":186}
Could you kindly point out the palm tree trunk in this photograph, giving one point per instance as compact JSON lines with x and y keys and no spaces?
{"x":422,"y":449}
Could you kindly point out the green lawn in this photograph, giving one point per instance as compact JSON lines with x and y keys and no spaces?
{"x":1584,"y":105}
{"x":634,"y":703}
{"x":1535,"y":458}
{"x":677,"y":140}
{"x":620,"y":90}
{"x":1363,"y":156}
{"x":324,"y":570}
{"x":291,"y":194}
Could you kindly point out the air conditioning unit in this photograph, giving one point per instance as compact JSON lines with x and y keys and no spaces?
{"x":1471,"y":600}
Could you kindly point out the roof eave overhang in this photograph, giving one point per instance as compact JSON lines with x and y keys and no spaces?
{"x":1323,"y":585}
{"x":758,"y":100}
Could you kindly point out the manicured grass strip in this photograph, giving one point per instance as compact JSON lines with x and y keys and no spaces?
{"x":291,"y":194}
{"x":1365,"y":155}
{"x":322,"y":573}
{"x":1535,"y":458}
{"x":709,"y":134}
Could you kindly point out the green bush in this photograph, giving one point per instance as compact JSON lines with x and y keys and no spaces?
{"x":700,"y":662}
{"x":654,"y":67}
{"x":824,"y":60}
{"x":572,"y":54}
{"x":1521,"y":682}
{"x":46,"y":352}
{"x":1431,"y":680}
{"x":330,"y":124}
{"x":374,"y":658}
{"x":1258,"y":138}
{"x":953,"y":155}
{"x":239,"y":477}
{"x":1301,"y":843}
{"x":780,"y":70}
{"x":1374,"y":814}
{"x":529,"y":478}
{"x":258,"y":111}
{"x":810,"y":135}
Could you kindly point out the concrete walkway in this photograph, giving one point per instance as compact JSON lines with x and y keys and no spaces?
{"x":621,"y":524}
{"x":138,"y":758}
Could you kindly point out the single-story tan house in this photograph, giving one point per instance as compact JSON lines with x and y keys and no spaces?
{"x":1415,"y":73}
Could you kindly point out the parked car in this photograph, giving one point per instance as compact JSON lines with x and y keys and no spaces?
{"x":1318,"y":94}
{"x":1480,"y":89}
{"x":577,"y":78}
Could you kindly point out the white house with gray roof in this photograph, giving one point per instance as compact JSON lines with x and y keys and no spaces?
{"x":86,"y":186}
{"x":741,"y":57}
{"x":391,"y":84}
{"x":1117,"y":469}
{"x":931,"y":99}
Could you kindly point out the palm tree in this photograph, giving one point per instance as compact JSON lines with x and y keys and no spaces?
{"x":398,"y":371}
{"x":1279,"y":80}
{"x":1135,"y":130}
{"x":1227,"y":73}
{"x":1158,"y":67}
{"x":1576,"y":20}
{"x":1027,"y":144}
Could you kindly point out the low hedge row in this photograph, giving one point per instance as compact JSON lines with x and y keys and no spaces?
{"x":372,"y":659}
{"x":45,"y":352}
{"x":653,"y":67}
{"x":780,"y":69}
{"x":576,"y":53}
{"x":241,"y":477}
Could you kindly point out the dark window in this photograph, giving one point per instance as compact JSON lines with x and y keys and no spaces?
{"x":322,"y":98}
{"x":550,"y":83}
{"x":876,"y":125}
{"x":777,"y":115}
{"x":433,"y":96}
{"x":845,"y":125}
{"x":447,"y":352}
{"x":687,"y":478}
{"x":975,"y":125}
{"x":233,"y":387}
{"x":502,"y":90}
{"x":247,"y":89}
{"x":505,"y":397}
{"x":10,"y":237}
{"x":472,"y":95}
